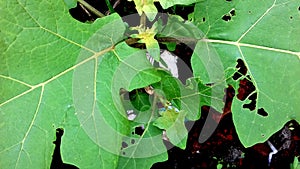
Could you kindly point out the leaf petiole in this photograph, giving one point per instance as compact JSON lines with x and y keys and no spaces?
{"x":92,"y":9}
{"x":110,"y":8}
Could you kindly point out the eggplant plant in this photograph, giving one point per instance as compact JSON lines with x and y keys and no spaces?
{"x":95,"y":80}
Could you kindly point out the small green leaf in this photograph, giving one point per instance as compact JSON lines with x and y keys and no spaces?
{"x":140,"y":100}
{"x":219,"y":166}
{"x":168,"y":3}
{"x":177,"y":28}
{"x":171,"y":46}
{"x":150,"y":10}
{"x":295,"y":164}
{"x":173,"y":122}
{"x":153,"y":49}
{"x":146,"y":6}
{"x":182,"y":95}
{"x":169,"y":87}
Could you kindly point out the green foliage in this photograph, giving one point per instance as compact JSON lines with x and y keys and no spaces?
{"x":265,"y":39}
{"x":140,"y":100}
{"x":295,"y":164}
{"x":148,"y":7}
{"x":57,"y":72}
{"x":147,"y":36}
{"x":177,"y":28}
{"x":173,"y":122}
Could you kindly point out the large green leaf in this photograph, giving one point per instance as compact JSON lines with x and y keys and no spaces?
{"x":57,"y":72}
{"x":265,"y":35}
{"x":41,"y":49}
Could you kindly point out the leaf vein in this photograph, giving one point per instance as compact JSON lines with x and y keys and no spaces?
{"x":30,"y":126}
{"x":59,"y":75}
{"x":258,"y":20}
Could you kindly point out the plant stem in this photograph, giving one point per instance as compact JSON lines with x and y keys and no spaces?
{"x":143,"y":21}
{"x":110,"y":8}
{"x":177,"y":40}
{"x":92,"y":9}
{"x":85,"y":10}
{"x":131,"y":41}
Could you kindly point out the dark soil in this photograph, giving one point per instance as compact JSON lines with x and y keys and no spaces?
{"x":223,"y":147}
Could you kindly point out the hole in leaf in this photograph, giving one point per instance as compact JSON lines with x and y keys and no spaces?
{"x":132,"y":141}
{"x":185,"y":53}
{"x":183,"y":62}
{"x":291,"y":17}
{"x":124,"y":144}
{"x":139,"y":130}
{"x":82,"y":14}
{"x":246,"y":87}
{"x":123,"y":153}
{"x":228,"y":0}
{"x":209,"y":84}
{"x":230,"y":93}
{"x":226,"y":17}
{"x":178,"y":61}
{"x":299,"y":8}
{"x":232,"y":12}
{"x":124,"y":93}
{"x":251,"y":105}
{"x":203,"y":19}
{"x":262,"y":112}
{"x":249,"y":12}
{"x":57,"y":162}
{"x":242,"y":69}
